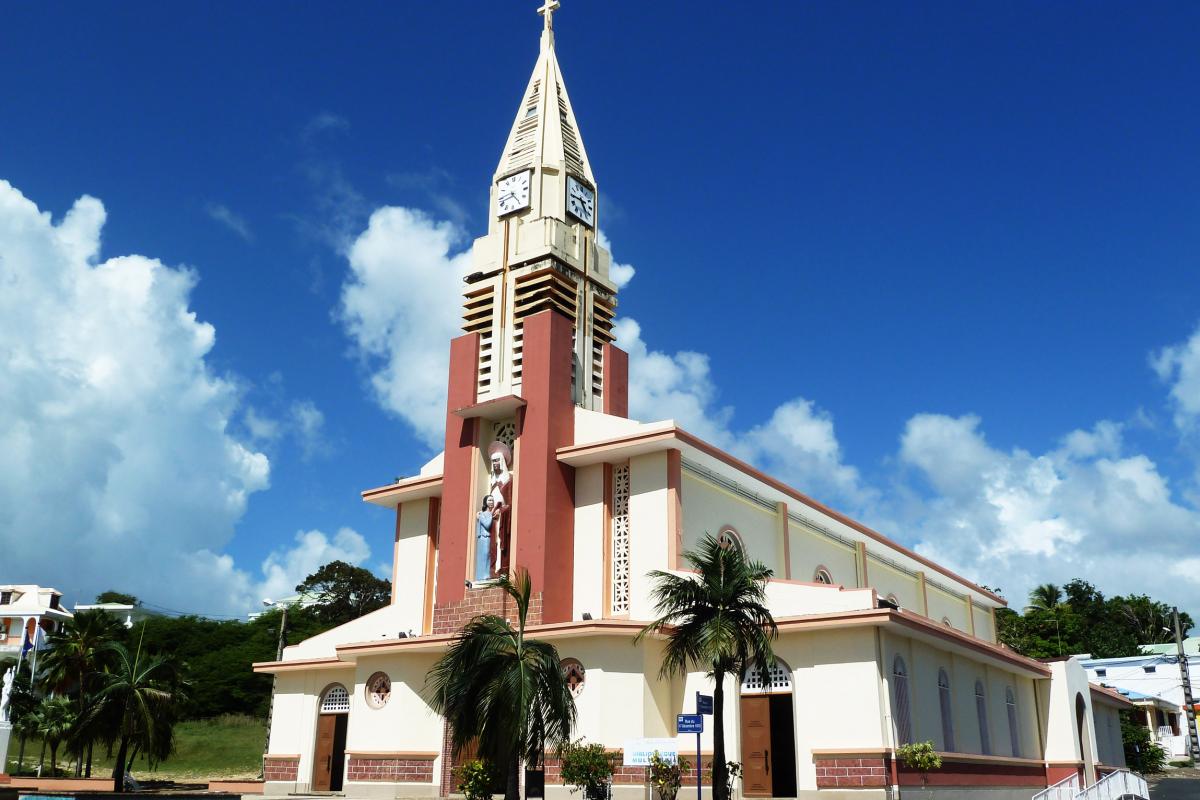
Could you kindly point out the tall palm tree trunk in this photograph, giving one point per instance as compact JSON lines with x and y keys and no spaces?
{"x":21,"y":755}
{"x":119,"y":765}
{"x":88,"y":771}
{"x":719,"y":770}
{"x":512,"y":789}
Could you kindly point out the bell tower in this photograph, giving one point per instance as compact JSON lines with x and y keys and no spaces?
{"x":540,"y":252}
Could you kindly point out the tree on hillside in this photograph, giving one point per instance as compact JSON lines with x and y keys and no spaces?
{"x":1046,"y":597}
{"x":505,"y":692}
{"x":139,"y":695}
{"x":113,"y":596}
{"x":53,"y":720}
{"x":345,"y":592}
{"x":73,"y":664}
{"x":1078,"y":618}
{"x":716,"y":621}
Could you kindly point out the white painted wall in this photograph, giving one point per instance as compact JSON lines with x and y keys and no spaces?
{"x":1067,"y":680}
{"x":708,"y":508}
{"x":294,"y":718}
{"x":588,"y":580}
{"x":923,"y":663}
{"x":888,"y":580}
{"x":412,"y":547}
{"x":942,"y":604}
{"x":810,"y":550}
{"x":647,"y":529}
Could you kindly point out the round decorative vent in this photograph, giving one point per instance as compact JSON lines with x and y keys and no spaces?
{"x":379,"y":690}
{"x":575,"y":675}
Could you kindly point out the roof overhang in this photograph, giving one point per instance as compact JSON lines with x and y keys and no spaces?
{"x":495,"y":409}
{"x":299,"y":665}
{"x":657,"y":437}
{"x":392,"y":495}
{"x":1110,"y":697}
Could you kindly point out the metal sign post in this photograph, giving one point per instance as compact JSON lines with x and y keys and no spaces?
{"x":704,"y":705}
{"x":692,"y":723}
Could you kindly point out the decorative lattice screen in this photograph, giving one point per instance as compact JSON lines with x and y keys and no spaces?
{"x":778,"y":679}
{"x":336,"y":699}
{"x":620,"y":540}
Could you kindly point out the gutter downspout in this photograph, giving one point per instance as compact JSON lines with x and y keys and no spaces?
{"x":887,"y":724}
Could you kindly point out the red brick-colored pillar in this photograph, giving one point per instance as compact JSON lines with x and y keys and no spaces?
{"x":616,"y":381}
{"x":544,"y":492}
{"x":457,"y":470}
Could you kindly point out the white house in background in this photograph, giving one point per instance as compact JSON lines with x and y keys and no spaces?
{"x":1153,"y":684}
{"x":128,"y":613}
{"x":26,"y":608}
{"x":543,"y":470}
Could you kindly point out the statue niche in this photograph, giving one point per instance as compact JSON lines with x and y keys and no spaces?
{"x":493,"y":521}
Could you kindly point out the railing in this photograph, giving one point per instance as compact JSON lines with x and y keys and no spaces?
{"x":1117,"y":785}
{"x":1066,"y":789}
{"x":1163,"y":732}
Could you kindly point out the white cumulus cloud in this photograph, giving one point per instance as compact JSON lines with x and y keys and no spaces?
{"x":285,"y":568}
{"x":118,"y":464}
{"x":1179,"y":366}
{"x":1015,"y":518}
{"x":400,"y":305}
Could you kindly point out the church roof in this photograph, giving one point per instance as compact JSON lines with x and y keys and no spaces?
{"x":544,"y":131}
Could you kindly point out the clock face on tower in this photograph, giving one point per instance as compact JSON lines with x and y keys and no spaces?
{"x":581,"y":201}
{"x":512,"y":193}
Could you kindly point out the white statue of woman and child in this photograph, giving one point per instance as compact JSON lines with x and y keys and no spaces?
{"x":491,"y":523}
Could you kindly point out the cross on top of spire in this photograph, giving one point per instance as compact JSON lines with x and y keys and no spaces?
{"x":547,"y":10}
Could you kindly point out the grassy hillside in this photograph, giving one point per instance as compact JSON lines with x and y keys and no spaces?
{"x":228,"y":746}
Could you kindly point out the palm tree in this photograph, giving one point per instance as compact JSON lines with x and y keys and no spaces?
{"x":53,"y":720}
{"x":718,"y":621}
{"x":74,"y":661}
{"x":505,"y":691}
{"x":140,"y":692}
{"x":1046,"y":597}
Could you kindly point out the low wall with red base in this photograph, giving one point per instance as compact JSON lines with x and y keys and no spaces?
{"x":877,"y":768}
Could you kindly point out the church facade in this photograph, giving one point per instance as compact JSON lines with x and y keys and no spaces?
{"x":543,"y":469}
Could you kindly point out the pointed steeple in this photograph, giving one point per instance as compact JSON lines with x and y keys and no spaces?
{"x":545,"y":132}
{"x":541,"y":251}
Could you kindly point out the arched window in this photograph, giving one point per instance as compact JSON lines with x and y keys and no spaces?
{"x":985,"y":739}
{"x":891,"y":598}
{"x":947,"y":711}
{"x":1014,"y":737}
{"x":730,"y":538}
{"x":778,"y":679}
{"x":900,"y":699}
{"x":823,"y":575}
{"x":335,"y":700}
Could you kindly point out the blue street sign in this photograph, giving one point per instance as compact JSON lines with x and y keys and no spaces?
{"x":689,"y":723}
{"x":704,"y":703}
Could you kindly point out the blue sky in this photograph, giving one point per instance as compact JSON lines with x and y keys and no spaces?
{"x":889,"y":219}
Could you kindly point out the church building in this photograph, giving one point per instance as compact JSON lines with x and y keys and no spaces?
{"x":544,"y":470}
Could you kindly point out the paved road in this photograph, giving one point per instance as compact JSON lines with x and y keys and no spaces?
{"x":1176,"y":789}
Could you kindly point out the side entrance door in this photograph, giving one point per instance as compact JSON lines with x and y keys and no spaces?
{"x":768,"y":745}
{"x":330,"y":754}
{"x":756,"y":746}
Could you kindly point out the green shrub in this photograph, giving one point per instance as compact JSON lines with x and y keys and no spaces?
{"x":919,"y":756}
{"x":475,"y":780}
{"x":1141,"y":753}
{"x":587,"y":768}
{"x":665,"y":777}
{"x":1181,"y":764}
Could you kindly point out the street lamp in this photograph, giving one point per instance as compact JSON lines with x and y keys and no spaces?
{"x":269,"y":603}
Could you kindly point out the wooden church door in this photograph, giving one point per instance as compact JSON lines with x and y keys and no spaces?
{"x":756,"y":746}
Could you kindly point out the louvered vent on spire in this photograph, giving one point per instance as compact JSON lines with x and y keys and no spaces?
{"x":545,"y":131}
